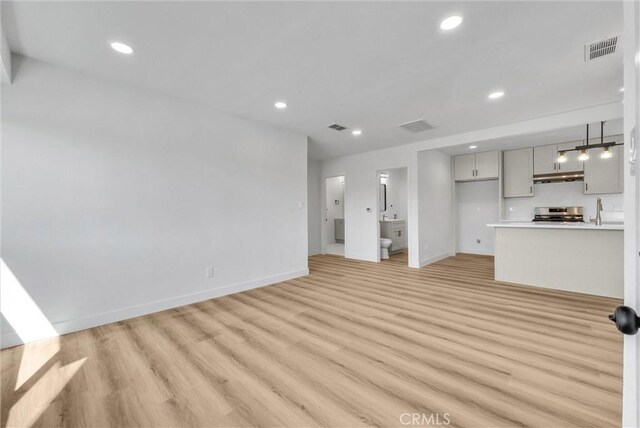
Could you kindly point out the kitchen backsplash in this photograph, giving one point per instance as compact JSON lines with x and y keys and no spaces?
{"x":558,"y":195}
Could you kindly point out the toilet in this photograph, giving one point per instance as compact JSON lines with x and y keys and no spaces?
{"x":385,"y":244}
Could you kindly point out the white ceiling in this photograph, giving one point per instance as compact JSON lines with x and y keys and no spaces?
{"x":557,"y":136}
{"x":368,"y":65}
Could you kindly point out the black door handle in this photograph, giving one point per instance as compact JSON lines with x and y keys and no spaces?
{"x":626,"y":320}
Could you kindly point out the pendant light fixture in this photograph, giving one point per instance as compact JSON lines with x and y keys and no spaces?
{"x":584,"y":154}
{"x":607,"y":152}
{"x":562,"y":156}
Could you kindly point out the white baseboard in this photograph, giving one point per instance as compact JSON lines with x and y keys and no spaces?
{"x":70,"y":326}
{"x":480,"y":251}
{"x":434,"y":259}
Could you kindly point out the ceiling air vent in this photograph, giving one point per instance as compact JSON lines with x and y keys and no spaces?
{"x":600,"y":48}
{"x":337,"y":127}
{"x":416,"y":126}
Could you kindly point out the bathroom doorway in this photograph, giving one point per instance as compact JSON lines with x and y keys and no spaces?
{"x":334,"y":230}
{"x":393,"y":214}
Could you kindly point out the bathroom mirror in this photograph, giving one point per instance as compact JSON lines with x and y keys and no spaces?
{"x":382,"y":197}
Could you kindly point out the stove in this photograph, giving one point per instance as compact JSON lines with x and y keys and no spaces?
{"x":558,"y":215}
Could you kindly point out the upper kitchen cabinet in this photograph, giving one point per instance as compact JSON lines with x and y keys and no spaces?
{"x":604,"y":175}
{"x":517,"y":177}
{"x":487,"y":165}
{"x":479,"y":166}
{"x":464,"y":167}
{"x":545,"y":159}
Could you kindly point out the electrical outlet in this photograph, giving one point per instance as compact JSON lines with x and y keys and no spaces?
{"x":210,"y":272}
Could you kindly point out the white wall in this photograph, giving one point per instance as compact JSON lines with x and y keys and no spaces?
{"x":314,"y":207}
{"x":396,"y":193}
{"x":477,"y":205}
{"x":435,"y":199}
{"x":558,"y":195}
{"x":361,"y":198}
{"x":5,"y":59}
{"x":334,"y":192}
{"x":116,"y":199}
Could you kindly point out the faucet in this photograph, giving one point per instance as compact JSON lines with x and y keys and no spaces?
{"x":384,"y":217}
{"x":598,"y":218}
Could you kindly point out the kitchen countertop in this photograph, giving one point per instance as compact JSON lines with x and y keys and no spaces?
{"x":572,"y":226}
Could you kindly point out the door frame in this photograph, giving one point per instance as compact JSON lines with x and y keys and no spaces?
{"x":406,"y":220}
{"x":324,"y":207}
{"x":631,"y":106}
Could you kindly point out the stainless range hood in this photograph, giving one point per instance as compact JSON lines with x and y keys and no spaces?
{"x":558,"y":177}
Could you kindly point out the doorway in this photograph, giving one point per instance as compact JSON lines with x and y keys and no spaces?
{"x":334,"y":225}
{"x":393,"y":215}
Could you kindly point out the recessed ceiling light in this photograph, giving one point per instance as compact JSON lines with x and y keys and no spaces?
{"x":122,"y":48}
{"x":451,"y":22}
{"x":280,"y":105}
{"x":495,"y":95}
{"x":473,"y":147}
{"x":356,"y":132}
{"x":621,"y":89}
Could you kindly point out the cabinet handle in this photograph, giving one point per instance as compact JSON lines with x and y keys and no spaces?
{"x":531,"y":189}
{"x":586,"y":187}
{"x":554,"y":166}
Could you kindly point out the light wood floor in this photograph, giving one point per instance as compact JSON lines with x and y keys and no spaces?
{"x":353,"y":344}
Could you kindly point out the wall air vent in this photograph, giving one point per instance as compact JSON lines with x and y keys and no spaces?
{"x":416,"y":126}
{"x":600,"y":48}
{"x":337,"y":127}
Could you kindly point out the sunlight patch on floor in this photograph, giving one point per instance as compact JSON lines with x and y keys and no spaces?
{"x":34,"y":357}
{"x":29,"y":407}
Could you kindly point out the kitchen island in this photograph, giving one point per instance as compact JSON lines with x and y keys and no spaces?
{"x":583,"y":257}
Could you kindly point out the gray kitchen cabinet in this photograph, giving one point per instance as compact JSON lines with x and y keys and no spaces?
{"x":394,"y":230}
{"x":517,"y":177}
{"x":464,"y":167}
{"x":477,"y":166}
{"x":545,"y":159}
{"x":338,"y":224}
{"x":487,"y":165}
{"x":604,"y":175}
